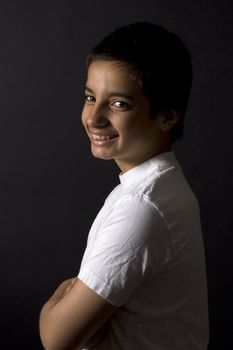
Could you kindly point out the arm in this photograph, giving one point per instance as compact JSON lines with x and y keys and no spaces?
{"x":72,"y":316}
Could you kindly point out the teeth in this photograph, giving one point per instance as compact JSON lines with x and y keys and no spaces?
{"x":102,"y":137}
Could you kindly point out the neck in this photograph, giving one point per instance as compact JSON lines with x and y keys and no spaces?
{"x":125,"y":165}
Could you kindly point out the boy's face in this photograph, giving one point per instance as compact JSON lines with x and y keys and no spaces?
{"x":116,"y":116}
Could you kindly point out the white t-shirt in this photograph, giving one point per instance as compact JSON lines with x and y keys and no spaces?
{"x":145,"y":254}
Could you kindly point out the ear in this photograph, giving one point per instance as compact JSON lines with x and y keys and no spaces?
{"x":168,"y":118}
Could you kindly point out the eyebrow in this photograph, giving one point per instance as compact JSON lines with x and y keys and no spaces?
{"x":113,"y":93}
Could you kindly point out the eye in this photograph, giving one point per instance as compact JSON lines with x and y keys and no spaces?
{"x":89,"y":98}
{"x":121,"y":104}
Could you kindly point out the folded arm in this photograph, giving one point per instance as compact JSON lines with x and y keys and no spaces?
{"x":73,"y":317}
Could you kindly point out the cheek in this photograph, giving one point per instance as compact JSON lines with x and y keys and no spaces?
{"x":140,"y":130}
{"x":135,"y":125}
{"x":84,"y":116}
{"x":130,"y":135}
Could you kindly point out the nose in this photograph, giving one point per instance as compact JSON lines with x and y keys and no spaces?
{"x":96,"y":117}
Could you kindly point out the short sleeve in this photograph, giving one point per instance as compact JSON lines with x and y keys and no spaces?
{"x":130,"y":247}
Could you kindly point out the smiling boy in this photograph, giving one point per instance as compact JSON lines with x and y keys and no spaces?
{"x":123,"y":130}
{"x":142,"y":281}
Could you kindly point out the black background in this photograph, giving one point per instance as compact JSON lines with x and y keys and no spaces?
{"x":50,"y":186}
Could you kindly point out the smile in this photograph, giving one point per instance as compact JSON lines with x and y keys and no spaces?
{"x":102,"y":137}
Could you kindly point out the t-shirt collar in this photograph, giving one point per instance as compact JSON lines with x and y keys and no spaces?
{"x":152,"y":166}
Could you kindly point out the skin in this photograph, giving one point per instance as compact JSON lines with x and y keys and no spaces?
{"x":74,"y":317}
{"x":115,"y":105}
{"x":116,"y":118}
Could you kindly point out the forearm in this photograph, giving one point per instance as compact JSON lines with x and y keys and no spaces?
{"x":53,"y":329}
{"x":73,"y":317}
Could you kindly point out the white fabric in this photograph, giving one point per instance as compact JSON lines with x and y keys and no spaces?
{"x":145,"y":254}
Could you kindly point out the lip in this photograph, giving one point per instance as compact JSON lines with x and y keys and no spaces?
{"x":103,"y":142}
{"x":102,"y":133}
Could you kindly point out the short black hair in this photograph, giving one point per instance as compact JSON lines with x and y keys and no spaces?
{"x":160,"y":62}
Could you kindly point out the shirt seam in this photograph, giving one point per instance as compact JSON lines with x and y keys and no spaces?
{"x":157,"y":209}
{"x":152,"y":204}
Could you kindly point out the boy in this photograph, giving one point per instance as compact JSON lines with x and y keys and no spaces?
{"x":142,"y":281}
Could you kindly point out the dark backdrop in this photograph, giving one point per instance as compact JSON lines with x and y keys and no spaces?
{"x":50,"y":186}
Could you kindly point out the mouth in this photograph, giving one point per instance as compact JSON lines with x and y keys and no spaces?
{"x":103,"y":137}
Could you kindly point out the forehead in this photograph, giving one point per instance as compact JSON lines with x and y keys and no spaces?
{"x":112,"y":74}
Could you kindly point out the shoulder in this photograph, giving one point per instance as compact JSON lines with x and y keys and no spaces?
{"x":134,"y":218}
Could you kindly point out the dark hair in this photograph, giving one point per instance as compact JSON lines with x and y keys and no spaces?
{"x":160,"y":62}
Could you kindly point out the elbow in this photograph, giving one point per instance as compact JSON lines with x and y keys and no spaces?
{"x":49,"y":339}
{"x":48,"y":342}
{"x":56,"y":334}
{"x":52,"y":347}
{"x":53,"y":341}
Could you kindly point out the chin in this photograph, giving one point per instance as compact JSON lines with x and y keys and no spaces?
{"x":102,"y":156}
